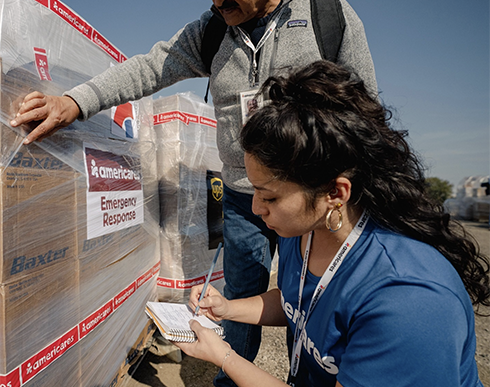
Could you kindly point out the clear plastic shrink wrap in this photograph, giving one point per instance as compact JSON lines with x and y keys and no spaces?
{"x":472,"y":201}
{"x":190,"y":194}
{"x":79,"y":228}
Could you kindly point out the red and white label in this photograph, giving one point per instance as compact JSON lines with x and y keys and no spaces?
{"x":42,"y":66}
{"x":104,"y":44}
{"x":186,"y":118}
{"x":44,"y":358}
{"x":124,"y":295}
{"x":71,"y":18}
{"x":172,"y":283}
{"x":95,"y":319}
{"x":79,"y":24}
{"x":114,"y":194}
{"x":148,"y":275}
{"x":166,"y":283}
{"x":12,"y":379}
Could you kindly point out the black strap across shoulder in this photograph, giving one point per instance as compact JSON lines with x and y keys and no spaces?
{"x":214,"y":33}
{"x":329,"y":25}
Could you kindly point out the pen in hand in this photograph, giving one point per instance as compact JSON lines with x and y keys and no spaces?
{"x":210,"y":273}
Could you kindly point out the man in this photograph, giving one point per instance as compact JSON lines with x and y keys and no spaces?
{"x":263,"y":37}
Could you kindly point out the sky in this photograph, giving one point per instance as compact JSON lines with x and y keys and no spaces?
{"x":431,"y":59}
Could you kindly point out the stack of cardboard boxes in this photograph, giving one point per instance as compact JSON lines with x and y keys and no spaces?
{"x":100,"y":217}
{"x":79,"y":228}
{"x":191,"y":192}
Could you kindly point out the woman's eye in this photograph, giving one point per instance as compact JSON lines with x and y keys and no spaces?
{"x":269,"y":200}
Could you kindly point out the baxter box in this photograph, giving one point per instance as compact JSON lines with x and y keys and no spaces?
{"x":101,"y":279}
{"x":191,"y":190}
{"x":38,"y":224}
{"x":117,"y":212}
{"x":35,"y":311}
{"x":109,"y":345}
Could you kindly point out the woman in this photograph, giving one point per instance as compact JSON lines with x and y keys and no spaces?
{"x":375,"y":281}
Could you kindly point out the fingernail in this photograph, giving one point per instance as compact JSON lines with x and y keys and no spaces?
{"x":13,"y":123}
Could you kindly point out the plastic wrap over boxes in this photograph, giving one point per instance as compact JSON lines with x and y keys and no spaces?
{"x":79,"y":228}
{"x":190,"y":194}
{"x":472,"y":201}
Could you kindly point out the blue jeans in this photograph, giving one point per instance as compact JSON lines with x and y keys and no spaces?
{"x":248,"y":250}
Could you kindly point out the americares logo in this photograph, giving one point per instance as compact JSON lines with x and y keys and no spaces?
{"x":109,"y":172}
{"x":114,"y":173}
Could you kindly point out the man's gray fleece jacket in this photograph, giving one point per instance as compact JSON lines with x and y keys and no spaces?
{"x":179,"y":58}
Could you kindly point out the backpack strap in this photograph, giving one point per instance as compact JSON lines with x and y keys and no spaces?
{"x":214,"y":32}
{"x":329,"y":25}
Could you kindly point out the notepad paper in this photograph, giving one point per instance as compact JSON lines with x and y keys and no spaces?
{"x":172,"y":320}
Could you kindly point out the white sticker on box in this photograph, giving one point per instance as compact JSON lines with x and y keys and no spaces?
{"x":114,"y":192}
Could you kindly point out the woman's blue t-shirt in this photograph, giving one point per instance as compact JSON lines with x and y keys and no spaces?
{"x":395,"y":314}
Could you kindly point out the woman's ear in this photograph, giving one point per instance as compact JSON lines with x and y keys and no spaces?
{"x":341,"y":191}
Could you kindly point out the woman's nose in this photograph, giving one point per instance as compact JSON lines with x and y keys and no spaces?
{"x":257,"y":207}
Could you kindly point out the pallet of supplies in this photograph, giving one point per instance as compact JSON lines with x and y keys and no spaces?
{"x":79,"y":228}
{"x":191,"y":191}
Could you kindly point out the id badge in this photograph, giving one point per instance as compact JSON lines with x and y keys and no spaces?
{"x":250,"y":102}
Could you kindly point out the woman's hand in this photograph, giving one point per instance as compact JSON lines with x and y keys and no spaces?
{"x":52,"y":112}
{"x":209,"y":346}
{"x":213,"y":305}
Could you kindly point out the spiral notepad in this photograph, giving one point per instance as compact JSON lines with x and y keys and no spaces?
{"x":172,"y":320}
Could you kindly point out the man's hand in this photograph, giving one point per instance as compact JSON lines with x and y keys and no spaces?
{"x":52,"y":113}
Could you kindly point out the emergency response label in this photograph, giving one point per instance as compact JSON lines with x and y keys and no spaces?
{"x":114,"y":192}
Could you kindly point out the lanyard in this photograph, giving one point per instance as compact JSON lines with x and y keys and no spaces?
{"x":300,"y":331}
{"x":255,"y":49}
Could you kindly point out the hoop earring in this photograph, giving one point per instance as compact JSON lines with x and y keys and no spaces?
{"x":328,"y":220}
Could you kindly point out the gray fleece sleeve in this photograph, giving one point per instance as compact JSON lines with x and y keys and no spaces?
{"x":143,"y":75}
{"x":354,"y":51}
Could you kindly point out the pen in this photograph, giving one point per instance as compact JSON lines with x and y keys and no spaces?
{"x":210,"y":273}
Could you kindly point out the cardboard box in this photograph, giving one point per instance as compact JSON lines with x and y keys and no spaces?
{"x":38,"y":218}
{"x":101,"y":280}
{"x":108,"y":346}
{"x":35,"y":311}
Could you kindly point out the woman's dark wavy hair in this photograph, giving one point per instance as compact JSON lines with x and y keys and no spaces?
{"x":320,"y":123}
